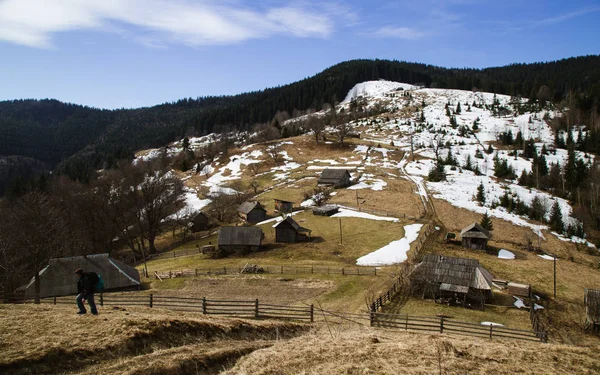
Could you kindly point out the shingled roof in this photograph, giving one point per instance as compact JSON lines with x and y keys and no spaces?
{"x":58,"y":278}
{"x":246,"y":207}
{"x":475,"y":231}
{"x":454,"y":271}
{"x":332,"y":176}
{"x":294,"y":225}
{"x":250,"y":236}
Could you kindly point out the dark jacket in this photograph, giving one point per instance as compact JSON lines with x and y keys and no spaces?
{"x":86,"y":283}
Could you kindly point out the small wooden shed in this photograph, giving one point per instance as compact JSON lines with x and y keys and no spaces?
{"x":288,"y":230}
{"x":591,"y":300}
{"x":462,"y":279}
{"x":521,"y":290}
{"x":335,"y":177}
{"x":283,"y":206}
{"x":252,"y":212}
{"x":239,"y":240}
{"x":475,"y":237}
{"x":200,"y":222}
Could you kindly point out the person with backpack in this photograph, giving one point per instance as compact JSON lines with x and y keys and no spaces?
{"x":86,"y":287}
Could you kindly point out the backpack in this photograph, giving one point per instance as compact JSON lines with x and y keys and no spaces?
{"x":97,"y":281}
{"x":100,"y":284}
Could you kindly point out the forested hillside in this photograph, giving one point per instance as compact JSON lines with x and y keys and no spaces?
{"x":78,"y":139}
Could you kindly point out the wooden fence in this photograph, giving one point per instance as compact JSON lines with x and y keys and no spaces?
{"x":293,"y":270}
{"x":235,"y":308}
{"x":536,"y":324}
{"x":443,"y":325}
{"x":396,"y":286}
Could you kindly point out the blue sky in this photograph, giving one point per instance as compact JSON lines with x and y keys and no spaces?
{"x":131,"y":53}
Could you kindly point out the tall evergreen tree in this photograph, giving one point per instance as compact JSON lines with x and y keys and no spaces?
{"x":486,"y":222}
{"x":556,"y":220}
{"x":481,"y":194}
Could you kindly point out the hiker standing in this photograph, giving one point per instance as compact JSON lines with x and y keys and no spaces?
{"x":85,"y":288}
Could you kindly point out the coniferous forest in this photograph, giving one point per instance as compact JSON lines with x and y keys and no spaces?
{"x":75,"y":140}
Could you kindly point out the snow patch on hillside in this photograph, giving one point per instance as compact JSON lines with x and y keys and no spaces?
{"x":375,"y":89}
{"x":394,"y":252}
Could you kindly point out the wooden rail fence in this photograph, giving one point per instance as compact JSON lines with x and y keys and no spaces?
{"x":235,"y":308}
{"x":444,"y":325}
{"x":387,"y":296}
{"x":323,"y":270}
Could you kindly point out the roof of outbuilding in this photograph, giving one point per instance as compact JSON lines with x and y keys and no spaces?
{"x":331,"y":174}
{"x":454,"y":271}
{"x":293,"y":223}
{"x":475,"y":231}
{"x":246,"y":207}
{"x":251,"y":236}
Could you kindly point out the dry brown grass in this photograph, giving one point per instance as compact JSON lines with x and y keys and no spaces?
{"x":368,"y":351}
{"x":52,"y":339}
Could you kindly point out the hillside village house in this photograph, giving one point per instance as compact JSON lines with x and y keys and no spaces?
{"x":591,"y":300}
{"x":252,"y":212}
{"x":288,"y":230}
{"x":455,"y":279}
{"x":337,"y":178}
{"x":58,"y":277}
{"x":239,"y":240}
{"x":283,"y":206}
{"x":475,"y":237}
{"x":200,"y":222}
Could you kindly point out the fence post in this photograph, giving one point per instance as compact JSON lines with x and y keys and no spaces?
{"x":151,"y":300}
{"x":491,"y":328}
{"x":282,"y":269}
{"x":442,"y":325}
{"x":312,"y":313}
{"x":256,"y":309}
{"x":196,"y":270}
{"x":406,"y":324}
{"x":173,"y":254}
{"x":55,"y":300}
{"x":225,"y":270}
{"x":358,"y":271}
{"x":375,"y":270}
{"x":101,"y":299}
{"x":312,"y":269}
{"x":342,"y":270}
{"x":372,"y":316}
{"x":169,"y":274}
{"x":204,"y":305}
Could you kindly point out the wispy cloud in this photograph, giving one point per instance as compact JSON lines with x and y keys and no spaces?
{"x":160,"y":22}
{"x":566,"y":16}
{"x":398,"y":33}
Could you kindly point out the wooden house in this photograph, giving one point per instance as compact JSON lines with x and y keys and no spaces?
{"x":475,"y":237}
{"x":454,"y":279}
{"x":239,"y":240}
{"x":283,"y":206}
{"x":200,"y":222}
{"x":591,"y":300}
{"x":335,"y":177}
{"x":252,"y":212}
{"x":58,"y":277}
{"x":288,"y":230}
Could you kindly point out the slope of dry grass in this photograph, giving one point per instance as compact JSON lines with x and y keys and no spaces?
{"x":53,"y":339}
{"x":366,"y":351}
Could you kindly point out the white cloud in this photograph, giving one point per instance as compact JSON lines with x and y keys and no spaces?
{"x":399,"y":32}
{"x":157,"y":22}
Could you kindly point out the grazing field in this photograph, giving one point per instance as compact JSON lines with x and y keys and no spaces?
{"x":52,"y":339}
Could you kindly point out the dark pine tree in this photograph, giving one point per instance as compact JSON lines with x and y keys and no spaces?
{"x":486,"y":222}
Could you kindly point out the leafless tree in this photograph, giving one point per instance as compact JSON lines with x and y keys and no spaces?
{"x":223,"y":206}
{"x":274,"y":151}
{"x":316,"y":125}
{"x":36,"y":227}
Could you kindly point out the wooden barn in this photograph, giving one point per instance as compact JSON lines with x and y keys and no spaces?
{"x":283,"y":206}
{"x":452,"y":280}
{"x":252,"y":212}
{"x":591,"y":300}
{"x":335,"y":177}
{"x":288,"y":230}
{"x":239,"y":240}
{"x":58,"y":277}
{"x":200,"y":222}
{"x":475,"y":237}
